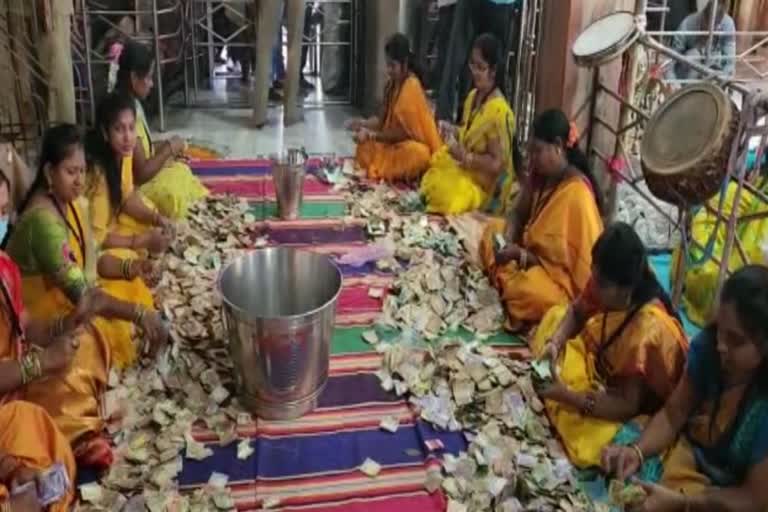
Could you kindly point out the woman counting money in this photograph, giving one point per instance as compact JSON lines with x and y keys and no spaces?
{"x":398,"y":145}
{"x":713,"y":430}
{"x":50,"y":245}
{"x":619,"y":348}
{"x":549,"y":230}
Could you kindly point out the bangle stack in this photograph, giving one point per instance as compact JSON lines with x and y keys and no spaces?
{"x":138,"y":316}
{"x":639,"y":453}
{"x":57,"y":327}
{"x":589,"y":404}
{"x":30,"y":368}
{"x":126,"y":269}
{"x":133,"y":242}
{"x":5,"y":506}
{"x":523,"y":259}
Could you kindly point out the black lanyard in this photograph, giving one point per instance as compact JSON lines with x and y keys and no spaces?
{"x":79,"y":233}
{"x":473,"y":112}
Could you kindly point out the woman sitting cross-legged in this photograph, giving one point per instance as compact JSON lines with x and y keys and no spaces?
{"x":398,"y":144}
{"x":618,"y":350}
{"x":713,"y":430}
{"x":549,"y":230}
{"x":158,"y":168}
{"x":124,"y":228}
{"x":475,"y":167}
{"x":50,"y":243}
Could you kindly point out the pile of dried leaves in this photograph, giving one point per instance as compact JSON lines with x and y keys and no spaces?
{"x":513,"y":462}
{"x":153,"y":408}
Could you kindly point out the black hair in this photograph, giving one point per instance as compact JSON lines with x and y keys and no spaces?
{"x":58,"y":144}
{"x":135,"y":58}
{"x":491,"y":50}
{"x":398,"y":49}
{"x":101,"y":157}
{"x":747,"y":290}
{"x":621,"y":259}
{"x":553,"y":127}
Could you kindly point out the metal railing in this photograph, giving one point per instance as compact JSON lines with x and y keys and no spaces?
{"x":238,"y":32}
{"x":751,"y":127}
{"x":146,"y":25}
{"x":23,"y":108}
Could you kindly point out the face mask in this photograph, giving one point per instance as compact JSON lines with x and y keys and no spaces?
{"x":3,"y":227}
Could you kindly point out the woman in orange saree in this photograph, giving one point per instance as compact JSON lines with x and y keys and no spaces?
{"x":398,"y":145}
{"x":618,"y":350}
{"x":29,"y":439}
{"x":49,"y":244}
{"x":549,"y":230}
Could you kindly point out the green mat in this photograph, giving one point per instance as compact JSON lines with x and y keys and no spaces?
{"x":348,"y":340}
{"x":309,"y":210}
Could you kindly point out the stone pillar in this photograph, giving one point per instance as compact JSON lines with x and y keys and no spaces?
{"x":56,"y":58}
{"x":563,"y":84}
{"x":380,"y":20}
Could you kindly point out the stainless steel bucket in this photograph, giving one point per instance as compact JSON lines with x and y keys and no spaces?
{"x":288,"y":172}
{"x":279,"y":309}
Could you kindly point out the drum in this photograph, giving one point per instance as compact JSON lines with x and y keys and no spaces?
{"x":605,"y":39}
{"x":687,"y":143}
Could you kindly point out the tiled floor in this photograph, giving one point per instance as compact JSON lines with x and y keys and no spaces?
{"x":231,"y":129}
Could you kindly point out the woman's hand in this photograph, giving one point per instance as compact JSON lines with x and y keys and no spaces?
{"x":555,"y":391}
{"x":88,"y":306}
{"x":26,"y":501}
{"x":659,"y":499}
{"x":354,"y":125}
{"x":620,"y":461}
{"x":155,"y":241}
{"x":177,"y":145}
{"x":155,"y":330}
{"x":362,"y":135}
{"x":551,"y":353}
{"x":447,"y":131}
{"x":58,"y":356}
{"x":457,"y":151}
{"x":510,"y":252}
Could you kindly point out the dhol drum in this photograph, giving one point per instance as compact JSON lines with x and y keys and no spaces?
{"x":605,"y":39}
{"x":687,"y":144}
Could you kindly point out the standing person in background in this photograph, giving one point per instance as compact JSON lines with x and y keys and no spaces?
{"x":471,"y":17}
{"x":722,"y":56}
{"x":267,"y":24}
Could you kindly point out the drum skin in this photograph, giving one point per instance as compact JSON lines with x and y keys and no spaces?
{"x":687,"y":143}
{"x":605,"y":39}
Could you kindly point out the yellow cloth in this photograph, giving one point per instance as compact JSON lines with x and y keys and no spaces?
{"x":652,"y":346}
{"x":28,"y":433}
{"x":407,"y":160}
{"x":72,"y":399}
{"x":701,"y":279}
{"x":174,"y":188}
{"x":450,"y":189}
{"x":561,"y":236}
{"x":121,"y":332}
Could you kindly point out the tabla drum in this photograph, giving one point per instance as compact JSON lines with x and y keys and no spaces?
{"x":605,"y":39}
{"x":687,"y":143}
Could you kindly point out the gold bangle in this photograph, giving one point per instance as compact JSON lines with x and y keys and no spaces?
{"x":523,"y":259}
{"x":138,"y":316}
{"x":639,"y":453}
{"x":6,"y":506}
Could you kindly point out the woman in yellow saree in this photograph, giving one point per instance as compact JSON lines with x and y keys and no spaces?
{"x":618,"y":350}
{"x":50,"y":244}
{"x":464,"y":174}
{"x":398,"y":145}
{"x":712,"y":433}
{"x":700,"y":278}
{"x":30,"y":442}
{"x":549,"y":230}
{"x":124,"y":228}
{"x":158,"y":169}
